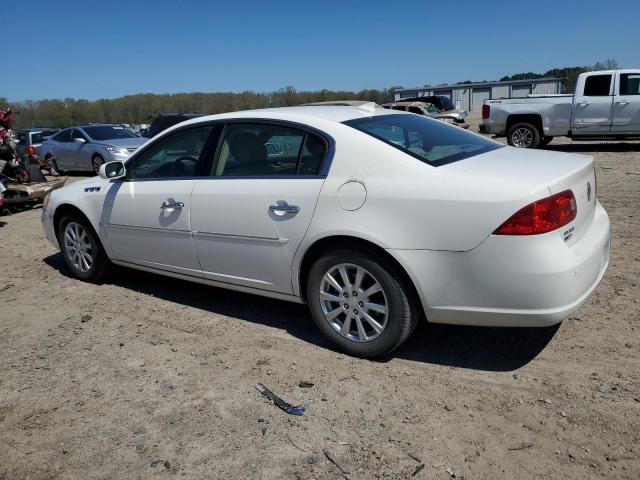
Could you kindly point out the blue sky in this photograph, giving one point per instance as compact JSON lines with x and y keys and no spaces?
{"x":103,"y":49}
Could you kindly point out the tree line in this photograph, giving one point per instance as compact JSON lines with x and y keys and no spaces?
{"x":143,"y":107}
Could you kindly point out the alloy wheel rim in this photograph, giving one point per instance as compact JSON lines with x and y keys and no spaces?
{"x":97,"y":162}
{"x":78,"y":247}
{"x":522,"y":137}
{"x":353,"y":302}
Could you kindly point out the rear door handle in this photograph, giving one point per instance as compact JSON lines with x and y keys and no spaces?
{"x":622,"y":102}
{"x":176,"y":205}
{"x":281,"y":207}
{"x":583,"y":104}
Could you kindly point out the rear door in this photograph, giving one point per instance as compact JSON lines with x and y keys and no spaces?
{"x":147,"y":215}
{"x":626,"y":104}
{"x":250,"y":215}
{"x":593,"y":104}
{"x":58,"y":145}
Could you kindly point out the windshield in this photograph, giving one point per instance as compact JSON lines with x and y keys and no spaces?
{"x":107,"y":132}
{"x":430,"y":141}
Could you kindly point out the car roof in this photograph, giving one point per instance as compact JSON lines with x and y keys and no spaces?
{"x":334,"y":113}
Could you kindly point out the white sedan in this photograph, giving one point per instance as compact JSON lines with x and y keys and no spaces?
{"x":374,"y":218}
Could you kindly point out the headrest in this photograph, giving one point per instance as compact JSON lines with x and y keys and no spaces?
{"x":247,"y":148}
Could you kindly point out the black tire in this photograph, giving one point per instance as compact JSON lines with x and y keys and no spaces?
{"x":96,"y":162}
{"x":523,"y":135}
{"x":403,"y":310}
{"x":54,"y":164}
{"x":545,"y":140}
{"x":100,"y":262}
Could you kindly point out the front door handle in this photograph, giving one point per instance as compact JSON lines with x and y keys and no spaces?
{"x":282,"y":207}
{"x":176,"y":205}
{"x":583,"y":104}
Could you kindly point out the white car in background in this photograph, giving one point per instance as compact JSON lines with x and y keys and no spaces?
{"x":375,"y":218}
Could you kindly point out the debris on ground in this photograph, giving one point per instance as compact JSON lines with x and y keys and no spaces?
{"x":522,"y":446}
{"x":6,"y":287}
{"x":278,"y":402}
{"x":305,"y":384}
{"x":417,"y":470}
{"x":85,"y":318}
{"x":329,"y":454}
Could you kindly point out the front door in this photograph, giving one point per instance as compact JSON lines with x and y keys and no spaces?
{"x":59,"y":149}
{"x":249,"y":217}
{"x":147,"y":215}
{"x":626,"y":104}
{"x":75,"y":147}
{"x":593,"y":104}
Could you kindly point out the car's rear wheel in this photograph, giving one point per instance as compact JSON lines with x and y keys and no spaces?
{"x":54,"y":164}
{"x":523,"y":135}
{"x":361,"y":303}
{"x":81,"y":248}
{"x":96,"y":163}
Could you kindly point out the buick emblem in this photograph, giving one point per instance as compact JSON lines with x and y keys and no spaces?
{"x":588,"y":191}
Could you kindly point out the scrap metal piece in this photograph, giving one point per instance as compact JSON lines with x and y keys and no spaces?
{"x":278,"y":402}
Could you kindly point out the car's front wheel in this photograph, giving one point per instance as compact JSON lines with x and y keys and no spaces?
{"x":361,"y":303}
{"x":81,"y":248}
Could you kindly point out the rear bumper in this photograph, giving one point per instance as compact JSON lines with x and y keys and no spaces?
{"x":510,"y":281}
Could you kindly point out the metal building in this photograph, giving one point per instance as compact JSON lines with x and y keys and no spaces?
{"x":470,"y":96}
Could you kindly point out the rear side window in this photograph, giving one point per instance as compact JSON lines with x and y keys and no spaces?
{"x":630,"y":84}
{"x":36,"y":137}
{"x":430,"y":141}
{"x":63,"y":136}
{"x":257,"y":150}
{"x":597,"y":86}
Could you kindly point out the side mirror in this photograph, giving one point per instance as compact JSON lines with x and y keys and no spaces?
{"x":79,"y":140}
{"x":112,"y":170}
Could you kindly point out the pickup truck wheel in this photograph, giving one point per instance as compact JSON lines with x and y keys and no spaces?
{"x":523,"y":135}
{"x":545,"y":140}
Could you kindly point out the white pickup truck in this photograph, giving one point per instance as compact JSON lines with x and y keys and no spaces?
{"x":606,"y":105}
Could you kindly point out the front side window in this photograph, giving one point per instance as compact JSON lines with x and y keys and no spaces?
{"x":176,"y":155}
{"x":416,"y":110}
{"x":630,"y":84}
{"x":36,"y":137}
{"x":597,"y":86}
{"x":108,"y":132}
{"x":250,"y":150}
{"x":431,"y":142}
{"x":77,"y":134}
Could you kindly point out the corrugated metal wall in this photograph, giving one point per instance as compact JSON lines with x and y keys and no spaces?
{"x":545,"y":88}
{"x":501,"y":91}
{"x":464,"y":95}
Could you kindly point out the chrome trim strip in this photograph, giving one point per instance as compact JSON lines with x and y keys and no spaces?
{"x":152,"y":229}
{"x":246,"y":238}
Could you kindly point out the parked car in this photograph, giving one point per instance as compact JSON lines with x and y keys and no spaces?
{"x":442,"y":103}
{"x":376,"y":219}
{"x":86,"y":147}
{"x":28,"y":137}
{"x":166,"y":120}
{"x":428,"y":109}
{"x":606,"y":105}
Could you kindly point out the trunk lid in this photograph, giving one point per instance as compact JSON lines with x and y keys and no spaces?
{"x":516,"y":177}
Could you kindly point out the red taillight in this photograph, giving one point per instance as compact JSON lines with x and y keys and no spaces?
{"x":31,"y":150}
{"x":485,"y":111}
{"x":542,"y":216}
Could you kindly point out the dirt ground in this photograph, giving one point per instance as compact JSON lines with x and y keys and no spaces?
{"x":149,"y":377}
